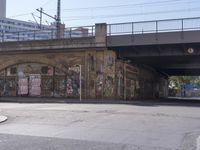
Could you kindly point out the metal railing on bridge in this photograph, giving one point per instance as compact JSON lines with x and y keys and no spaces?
{"x":157,"y":26}
{"x":48,"y":34}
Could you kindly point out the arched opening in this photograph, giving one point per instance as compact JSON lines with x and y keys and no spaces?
{"x":36,"y":79}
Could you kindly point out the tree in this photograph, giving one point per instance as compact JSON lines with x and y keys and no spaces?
{"x":176,"y":82}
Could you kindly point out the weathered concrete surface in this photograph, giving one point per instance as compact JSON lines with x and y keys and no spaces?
{"x":154,"y":39}
{"x":44,"y":45}
{"x":52,"y":62}
{"x":103,"y":75}
{"x":102,"y":127}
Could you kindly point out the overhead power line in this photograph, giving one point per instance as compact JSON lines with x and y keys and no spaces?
{"x":30,"y":13}
{"x":20,"y":15}
{"x":46,"y":3}
{"x":126,"y":5}
{"x":111,"y":6}
{"x":134,"y":14}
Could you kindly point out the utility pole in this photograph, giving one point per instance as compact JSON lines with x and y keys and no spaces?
{"x":58,"y":12}
{"x":41,"y":12}
{"x":58,"y":20}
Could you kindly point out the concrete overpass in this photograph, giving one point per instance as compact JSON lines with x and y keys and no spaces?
{"x":169,"y":46}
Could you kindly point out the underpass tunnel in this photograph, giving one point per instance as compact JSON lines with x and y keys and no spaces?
{"x":170,"y":61}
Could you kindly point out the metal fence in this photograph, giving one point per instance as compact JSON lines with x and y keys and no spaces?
{"x":48,"y":34}
{"x":158,"y":26}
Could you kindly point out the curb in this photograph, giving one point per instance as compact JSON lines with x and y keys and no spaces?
{"x":3,"y":119}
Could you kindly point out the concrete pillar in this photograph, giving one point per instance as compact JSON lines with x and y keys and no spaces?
{"x":100,"y":34}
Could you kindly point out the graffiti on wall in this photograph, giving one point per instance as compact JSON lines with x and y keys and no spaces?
{"x":92,"y":85}
{"x":109,"y":73}
{"x":91,"y":62}
{"x":109,"y":88}
{"x":69,"y":89}
{"x":91,"y":74}
{"x":46,"y":83}
{"x":2,"y":82}
{"x":132,"y":89}
{"x":35,"y":84}
{"x":120,"y":79}
{"x":109,"y":63}
{"x":73,"y":87}
{"x":47,"y":86}
{"x":10,"y":86}
{"x":34,"y":79}
{"x":59,"y":85}
{"x":23,"y":86}
{"x":99,"y":84}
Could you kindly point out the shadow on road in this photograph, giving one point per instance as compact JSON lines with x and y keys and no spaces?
{"x":147,"y":102}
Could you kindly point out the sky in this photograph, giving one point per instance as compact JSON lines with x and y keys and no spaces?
{"x":88,"y":12}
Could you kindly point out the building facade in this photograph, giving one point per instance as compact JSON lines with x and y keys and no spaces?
{"x":12,"y":30}
{"x":17,"y":30}
{"x":11,"y":25}
{"x":2,"y":8}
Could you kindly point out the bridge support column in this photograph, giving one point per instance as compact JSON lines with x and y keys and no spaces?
{"x":101,"y":33}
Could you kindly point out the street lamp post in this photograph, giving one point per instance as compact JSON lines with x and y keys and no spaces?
{"x":80,"y":82}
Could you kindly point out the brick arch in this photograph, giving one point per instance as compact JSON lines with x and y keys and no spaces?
{"x":8,"y":63}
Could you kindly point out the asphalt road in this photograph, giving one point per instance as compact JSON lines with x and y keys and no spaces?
{"x":99,"y":127}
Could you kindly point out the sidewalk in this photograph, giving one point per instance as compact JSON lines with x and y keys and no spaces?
{"x":3,"y":118}
{"x":140,"y":102}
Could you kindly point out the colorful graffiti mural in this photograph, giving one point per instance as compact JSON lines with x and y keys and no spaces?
{"x":2,"y":83}
{"x":109,"y":88}
{"x":103,"y":76}
{"x":109,"y":62}
{"x":35,"y":84}
{"x":120,"y":79}
{"x":10,"y":86}
{"x":34,"y":79}
{"x":99,"y":84}
{"x":23,"y":86}
{"x":47,"y":86}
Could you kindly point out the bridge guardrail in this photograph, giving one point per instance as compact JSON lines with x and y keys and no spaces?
{"x":48,"y":34}
{"x":157,"y":26}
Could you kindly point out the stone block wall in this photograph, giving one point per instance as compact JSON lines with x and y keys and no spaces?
{"x":57,"y":74}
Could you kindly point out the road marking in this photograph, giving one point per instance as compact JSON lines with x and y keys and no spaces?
{"x":198,"y":143}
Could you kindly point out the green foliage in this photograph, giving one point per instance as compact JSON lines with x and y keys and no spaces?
{"x":176,"y":82}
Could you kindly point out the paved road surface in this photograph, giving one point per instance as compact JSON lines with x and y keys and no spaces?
{"x":99,"y":127}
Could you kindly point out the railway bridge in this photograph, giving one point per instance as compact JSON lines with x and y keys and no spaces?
{"x":105,"y":61}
